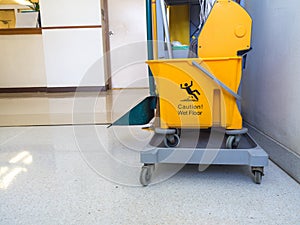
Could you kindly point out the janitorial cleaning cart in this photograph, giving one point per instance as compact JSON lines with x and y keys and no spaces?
{"x":197,"y":51}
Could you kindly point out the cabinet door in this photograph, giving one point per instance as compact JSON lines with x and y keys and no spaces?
{"x":22,"y":61}
{"x":72,"y":37}
{"x":73,"y":57}
{"x":70,"y":13}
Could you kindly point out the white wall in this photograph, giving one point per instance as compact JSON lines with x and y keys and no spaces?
{"x":22,"y":61}
{"x":271,"y":82}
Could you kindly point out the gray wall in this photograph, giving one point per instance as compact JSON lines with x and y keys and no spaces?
{"x":271,"y":81}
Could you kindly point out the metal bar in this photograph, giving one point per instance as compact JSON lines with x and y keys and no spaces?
{"x":149,"y":44}
{"x":160,"y":32}
{"x":166,"y":28}
{"x":154,"y":30}
{"x":226,"y":88}
{"x":149,"y":28}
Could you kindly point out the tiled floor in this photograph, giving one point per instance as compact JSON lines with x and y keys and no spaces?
{"x":66,"y":108}
{"x":88,"y":174}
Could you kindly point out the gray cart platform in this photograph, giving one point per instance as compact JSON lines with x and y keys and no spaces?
{"x":199,"y":148}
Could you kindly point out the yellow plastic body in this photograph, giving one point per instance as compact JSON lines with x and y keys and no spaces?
{"x":226,"y":31}
{"x":212,"y":106}
{"x":190,"y":99}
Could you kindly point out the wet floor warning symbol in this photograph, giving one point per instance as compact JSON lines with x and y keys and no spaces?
{"x":193,"y":94}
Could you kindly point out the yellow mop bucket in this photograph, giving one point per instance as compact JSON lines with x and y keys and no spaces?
{"x":198,"y":93}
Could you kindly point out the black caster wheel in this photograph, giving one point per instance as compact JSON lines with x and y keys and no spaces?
{"x":146,"y":174}
{"x":258,"y":173}
{"x":172,"y":140}
{"x":257,"y":177}
{"x":232,"y":142}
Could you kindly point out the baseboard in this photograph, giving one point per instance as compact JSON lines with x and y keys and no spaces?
{"x":77,"y":89}
{"x":279,"y":154}
{"x":23,"y":90}
{"x":54,"y":89}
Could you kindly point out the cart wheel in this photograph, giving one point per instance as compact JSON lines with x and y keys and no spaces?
{"x":172,"y":141}
{"x":257,"y":177}
{"x":232,"y":142}
{"x":229,"y":142}
{"x":146,"y":174}
{"x":178,"y":132}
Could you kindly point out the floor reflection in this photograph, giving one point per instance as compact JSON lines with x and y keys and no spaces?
{"x":17,"y":166}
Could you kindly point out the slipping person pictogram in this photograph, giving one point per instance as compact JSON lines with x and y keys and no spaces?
{"x":188,"y":89}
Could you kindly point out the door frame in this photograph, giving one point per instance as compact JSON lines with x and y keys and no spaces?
{"x":106,"y":43}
